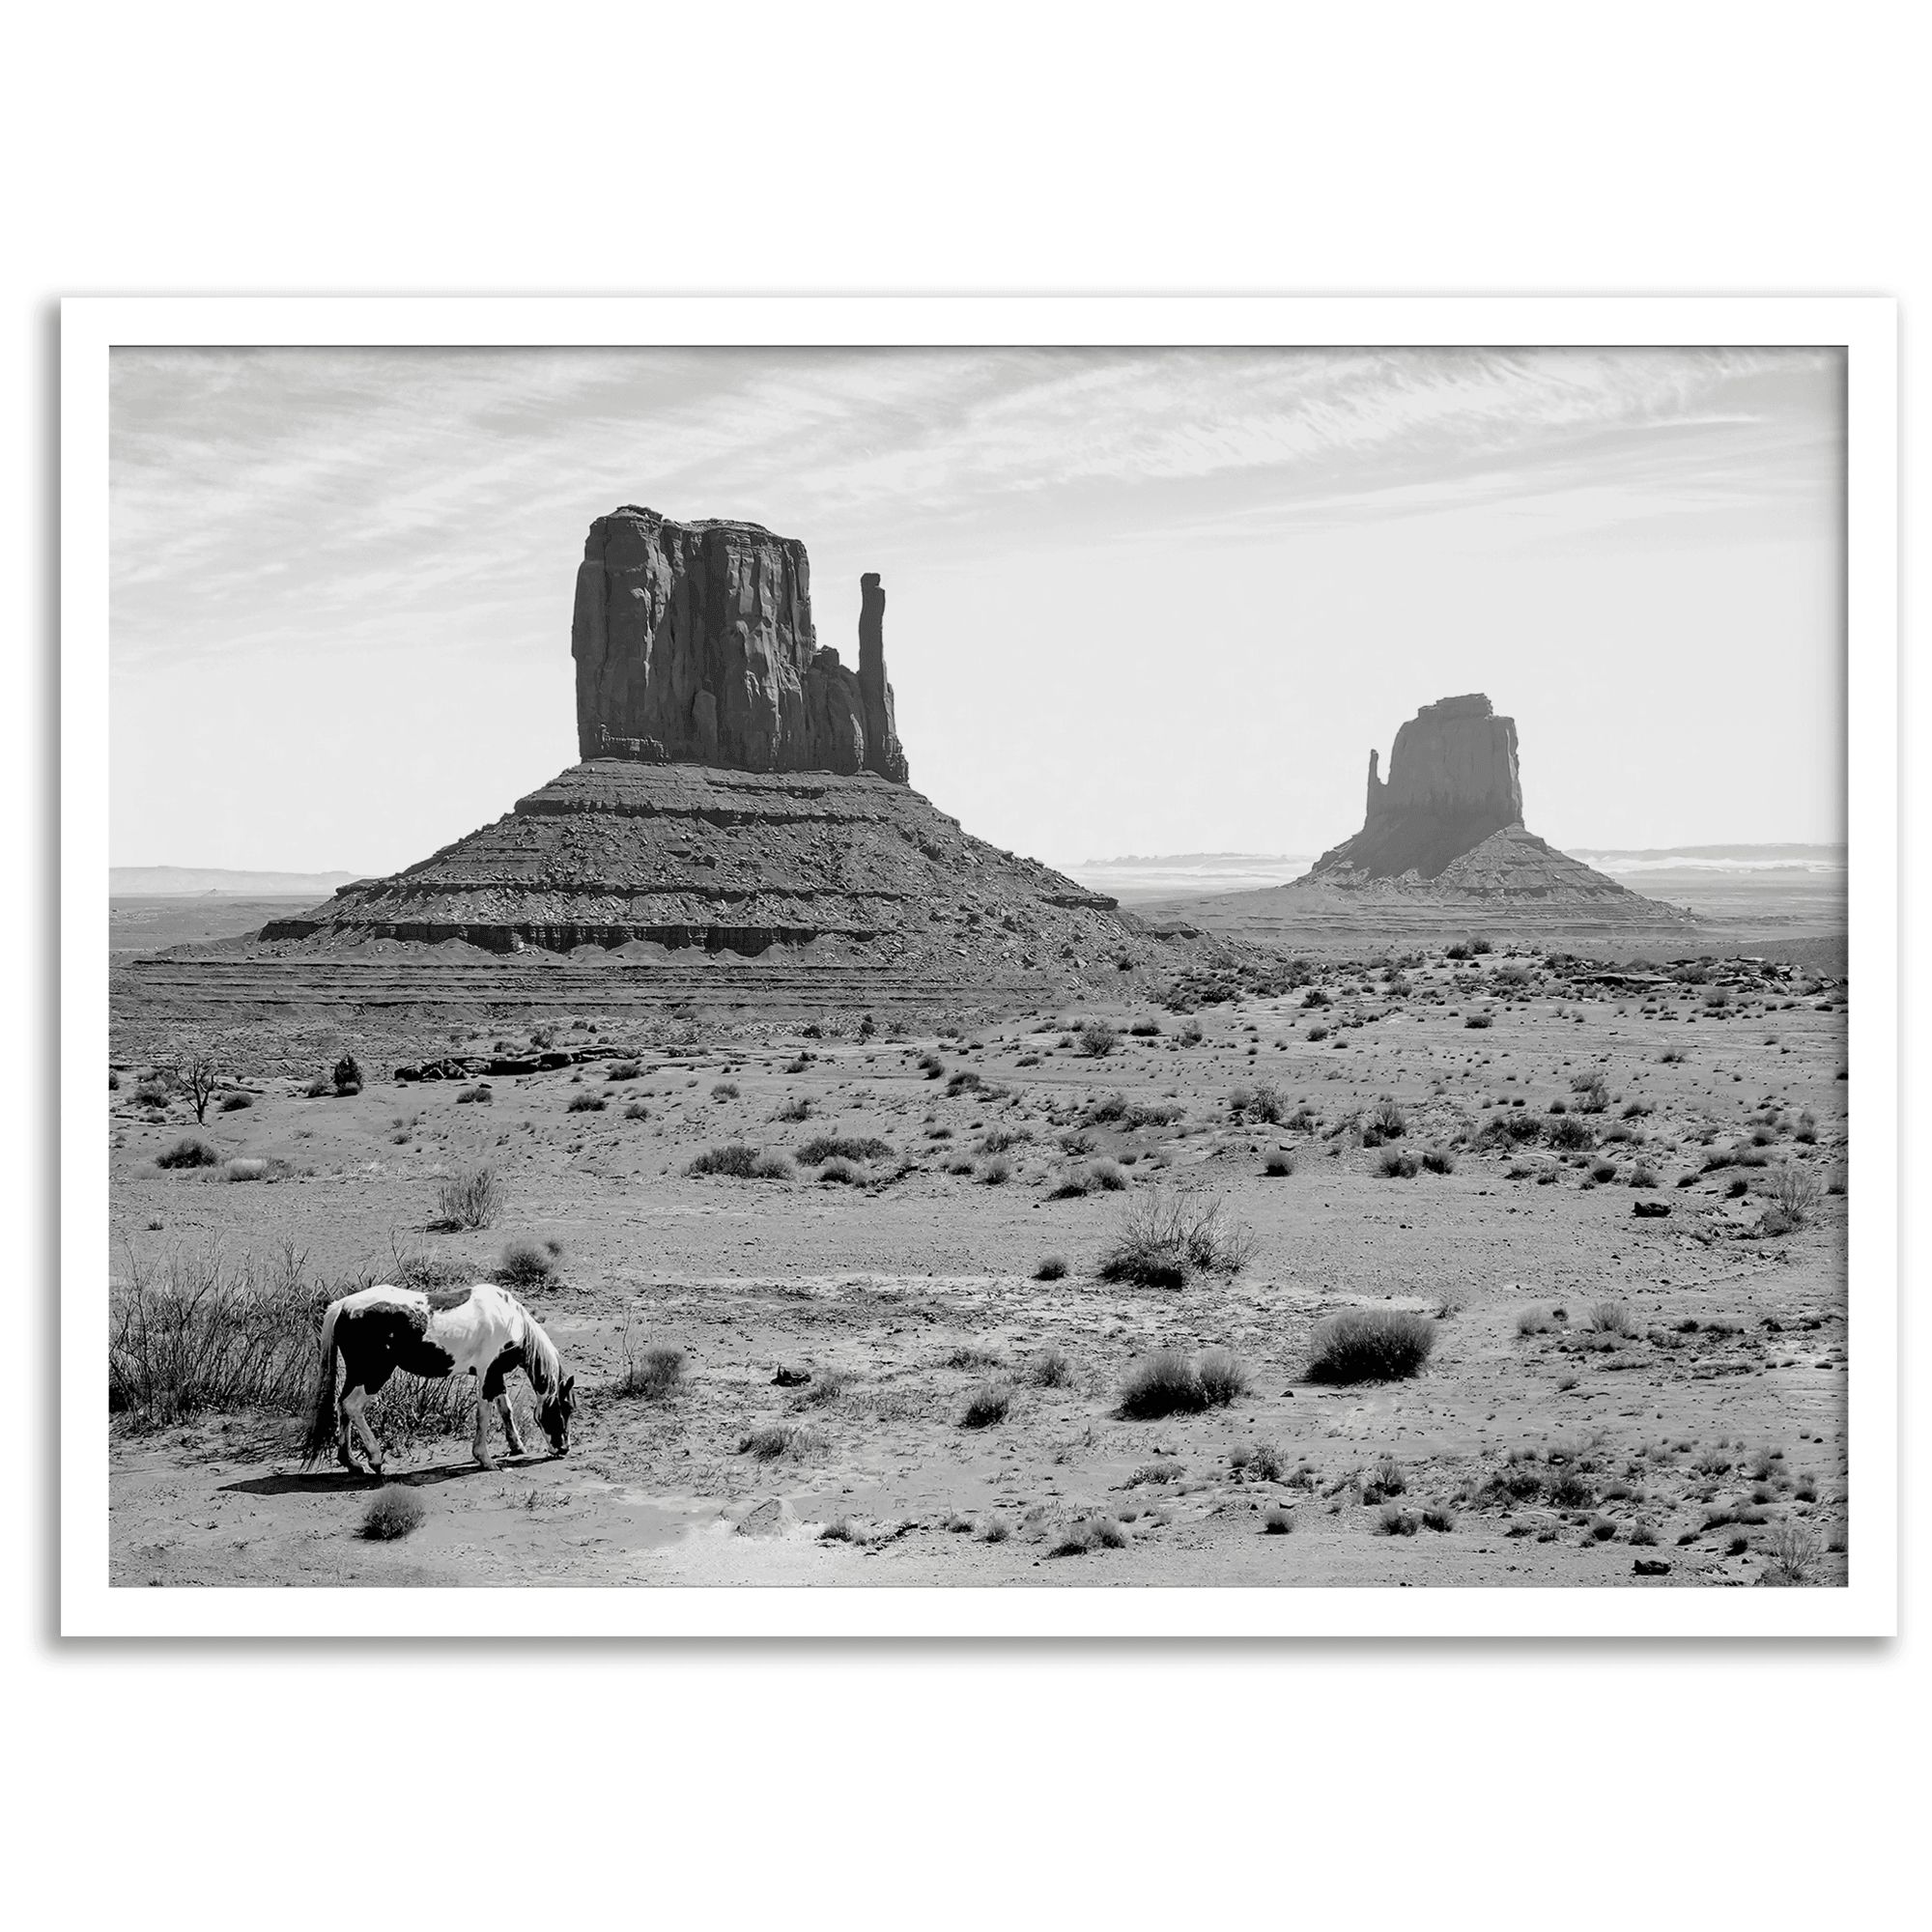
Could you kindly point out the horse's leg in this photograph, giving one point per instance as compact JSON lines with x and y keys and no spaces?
{"x":353,"y":1401}
{"x":479,"y":1445}
{"x":344,"y":1443}
{"x":512,"y":1435}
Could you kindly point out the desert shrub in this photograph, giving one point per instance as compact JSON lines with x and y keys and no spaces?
{"x":799,"y":1108}
{"x":1051,"y":1368}
{"x":151,"y":1093}
{"x":778,"y":1439}
{"x":478,"y":1095}
{"x":1388,"y":1119}
{"x":1107,"y":1176}
{"x":1480,"y":1020}
{"x":1438,"y":1519}
{"x":1395,"y":1520}
{"x":1610,"y":1318}
{"x":1222,"y":1377}
{"x":1569,"y":1490}
{"x":1592,"y":1096}
{"x":1277,"y":1163}
{"x":1166,"y":1236}
{"x":988,"y":1404}
{"x":841,"y":1173}
{"x":1098,"y":1039}
{"x":471,"y":1198}
{"x":771,"y":1164}
{"x":1572,"y":1135}
{"x":651,"y":1373}
{"x":1052,"y":1268}
{"x":1643,"y":1175}
{"x":1369,"y":1345}
{"x":734,"y":1161}
{"x":1603,"y":1171}
{"x":587,"y":1103}
{"x":1397,"y":1164}
{"x":842,"y":1146}
{"x":244,"y":1170}
{"x":1070,"y":1184}
{"x":622,"y":1069}
{"x":1145,"y":1028}
{"x":187,"y":1152}
{"x":528,"y":1264}
{"x":1088,"y":1534}
{"x":637,"y":1111}
{"x":1261,"y":1460}
{"x":724,"y":1089}
{"x":996,"y":1171}
{"x":1796,"y":1191}
{"x":1439,"y":1160}
{"x":1163,"y":1383}
{"x":347,"y":1077}
{"x":394,"y":1514}
{"x":1534,"y":1321}
{"x":196,"y":1331}
{"x":1261,"y":1103}
{"x":233,"y":1103}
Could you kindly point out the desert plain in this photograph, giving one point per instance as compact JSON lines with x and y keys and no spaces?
{"x":894,"y":1339}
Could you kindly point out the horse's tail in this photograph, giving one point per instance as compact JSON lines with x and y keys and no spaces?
{"x":321,"y":1436}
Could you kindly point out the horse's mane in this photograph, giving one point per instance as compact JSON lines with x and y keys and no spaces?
{"x":540,"y":1359}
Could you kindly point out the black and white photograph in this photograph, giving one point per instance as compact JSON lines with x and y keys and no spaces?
{"x":1174,"y":966}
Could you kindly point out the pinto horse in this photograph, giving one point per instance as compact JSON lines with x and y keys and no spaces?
{"x":480,"y":1331}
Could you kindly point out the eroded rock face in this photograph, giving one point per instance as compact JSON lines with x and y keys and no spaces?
{"x":695,"y":643}
{"x":1452,"y":783}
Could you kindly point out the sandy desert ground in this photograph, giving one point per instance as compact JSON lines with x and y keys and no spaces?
{"x":876,"y":1385}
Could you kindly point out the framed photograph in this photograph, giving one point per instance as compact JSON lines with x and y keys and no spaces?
{"x":979,"y":967}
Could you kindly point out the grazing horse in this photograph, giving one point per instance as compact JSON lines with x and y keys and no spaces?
{"x":481,"y":1331}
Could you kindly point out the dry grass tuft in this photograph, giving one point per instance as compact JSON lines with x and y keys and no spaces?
{"x":394,"y":1514}
{"x":466,"y":1200}
{"x":1369,"y":1345}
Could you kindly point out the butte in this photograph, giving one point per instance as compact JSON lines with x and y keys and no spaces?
{"x":1443,"y":849}
{"x":740,"y":832}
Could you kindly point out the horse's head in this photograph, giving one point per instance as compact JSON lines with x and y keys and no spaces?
{"x":554,"y":1413}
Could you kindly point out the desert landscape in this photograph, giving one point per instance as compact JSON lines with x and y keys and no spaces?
{"x":909,"y":1213}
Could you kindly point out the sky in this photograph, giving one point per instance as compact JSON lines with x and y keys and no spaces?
{"x":1138,"y":601}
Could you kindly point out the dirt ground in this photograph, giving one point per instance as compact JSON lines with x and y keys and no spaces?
{"x":1685,"y":1436}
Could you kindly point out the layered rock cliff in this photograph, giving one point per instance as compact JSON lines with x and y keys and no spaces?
{"x":695,"y":643}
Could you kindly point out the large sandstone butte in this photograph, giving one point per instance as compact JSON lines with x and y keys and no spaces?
{"x":1443,"y":843}
{"x":695,"y":643}
{"x":742,"y":794}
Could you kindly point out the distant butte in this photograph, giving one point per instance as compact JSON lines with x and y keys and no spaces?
{"x":741,"y":791}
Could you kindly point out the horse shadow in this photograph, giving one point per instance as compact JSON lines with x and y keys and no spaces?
{"x":325,"y":1481}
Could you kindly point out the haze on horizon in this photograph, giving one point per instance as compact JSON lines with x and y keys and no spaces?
{"x":1154,"y":601}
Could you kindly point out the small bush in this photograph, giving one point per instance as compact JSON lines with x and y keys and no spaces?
{"x":233,"y":1103}
{"x":245,"y":1170}
{"x":1163,"y":1383}
{"x":798,"y":1108}
{"x":996,"y":1171}
{"x":1795,"y":1192}
{"x":1277,"y":1521}
{"x":1603,"y":1171}
{"x":188,"y":1153}
{"x":1050,"y":1369}
{"x":478,"y":1095}
{"x":735,"y":1162}
{"x":1438,"y":1519}
{"x":988,"y":1404}
{"x":1369,"y":1345}
{"x":347,"y":1076}
{"x":1397,"y":1164}
{"x":840,"y":1173}
{"x":1098,"y":1039}
{"x":1261,"y":1460}
{"x":622,"y":1069}
{"x":1478,"y":1020}
{"x":1439,"y":1160}
{"x":653,"y":1373}
{"x":528,"y":1264}
{"x":772,"y":1164}
{"x":780,"y":1439}
{"x":1592,"y":1096}
{"x":842,"y":1146}
{"x":1277,"y":1163}
{"x":724,"y":1089}
{"x":1090,"y":1533}
{"x":587,"y":1103}
{"x":469,"y":1200}
{"x":1222,"y":1377}
{"x":1571,"y":1490}
{"x":1165,"y":1236}
{"x":1106,"y":1177}
{"x":1572,"y":1135}
{"x":1395,"y":1520}
{"x":1052,"y":1268}
{"x":394,"y":1514}
{"x":1610,"y":1318}
{"x":1388,"y":1119}
{"x":637,"y":1111}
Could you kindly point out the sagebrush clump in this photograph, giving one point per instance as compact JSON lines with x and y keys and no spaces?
{"x":1369,"y":1345}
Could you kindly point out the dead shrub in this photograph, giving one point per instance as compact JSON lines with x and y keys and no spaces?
{"x":469,"y":1200}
